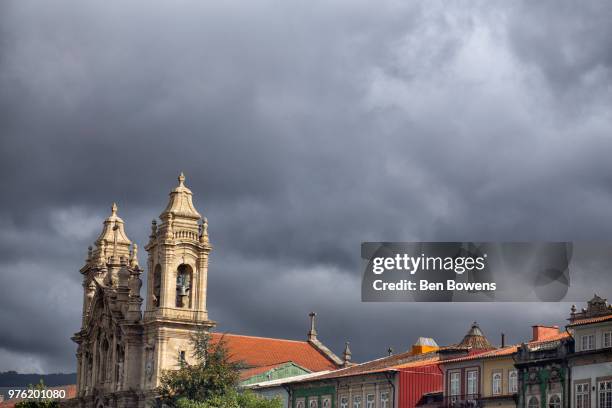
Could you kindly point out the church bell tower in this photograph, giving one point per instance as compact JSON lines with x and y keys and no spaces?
{"x":178,"y":251}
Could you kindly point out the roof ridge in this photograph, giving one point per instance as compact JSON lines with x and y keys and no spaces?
{"x":259,"y":337}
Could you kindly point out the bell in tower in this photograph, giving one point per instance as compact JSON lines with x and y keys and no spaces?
{"x":178,"y":251}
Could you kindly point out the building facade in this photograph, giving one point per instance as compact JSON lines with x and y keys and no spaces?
{"x":543,"y":372}
{"x":591,"y":361}
{"x":463,"y":374}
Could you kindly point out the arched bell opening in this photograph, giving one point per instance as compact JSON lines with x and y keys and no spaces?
{"x":184,"y":276}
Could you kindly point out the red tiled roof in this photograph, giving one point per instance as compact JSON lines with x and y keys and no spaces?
{"x":590,"y":320}
{"x":263,"y":351}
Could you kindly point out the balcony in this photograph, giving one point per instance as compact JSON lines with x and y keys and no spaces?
{"x":462,"y":401}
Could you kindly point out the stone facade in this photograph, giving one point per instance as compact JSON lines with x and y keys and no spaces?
{"x":591,"y":362}
{"x":121,"y":351}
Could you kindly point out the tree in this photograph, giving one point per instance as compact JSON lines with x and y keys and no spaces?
{"x":39,"y":402}
{"x":212,"y":382}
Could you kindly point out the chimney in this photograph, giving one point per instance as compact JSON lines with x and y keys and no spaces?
{"x":503,"y":340}
{"x":541,"y":332}
{"x":312,"y":334}
{"x":424,"y":345}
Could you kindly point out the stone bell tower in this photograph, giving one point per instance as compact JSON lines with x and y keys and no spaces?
{"x":178,"y":251}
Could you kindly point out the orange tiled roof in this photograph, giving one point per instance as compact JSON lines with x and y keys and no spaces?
{"x":265,"y":352}
{"x":389,"y":363}
{"x":590,"y":320}
{"x":559,"y":336}
{"x":500,"y":352}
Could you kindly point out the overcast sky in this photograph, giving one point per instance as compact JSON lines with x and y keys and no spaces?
{"x":304,"y":128}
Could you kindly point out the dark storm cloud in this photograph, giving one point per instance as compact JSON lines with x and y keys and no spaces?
{"x":304,"y":129}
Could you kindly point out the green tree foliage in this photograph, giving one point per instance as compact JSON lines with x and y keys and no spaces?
{"x":211,"y":382}
{"x":40,"y":402}
{"x":232,"y":399}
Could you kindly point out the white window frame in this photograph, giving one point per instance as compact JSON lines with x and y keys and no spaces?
{"x":357,"y":401}
{"x":384,"y":399}
{"x":583,"y":395}
{"x":313,"y":402}
{"x":455,"y":383}
{"x":604,"y":394}
{"x":587,"y":342}
{"x":471,"y":381}
{"x":370,"y":401}
{"x":344,"y":401}
{"x":496,"y":383}
{"x":606,"y":339}
{"x":512,"y":381}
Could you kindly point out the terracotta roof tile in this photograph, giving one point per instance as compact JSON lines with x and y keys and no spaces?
{"x":263,"y":351}
{"x":500,"y":352}
{"x":559,"y":336}
{"x":390,"y":363}
{"x":590,"y":320}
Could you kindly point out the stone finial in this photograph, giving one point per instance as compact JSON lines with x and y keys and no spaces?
{"x":573,"y":309}
{"x":204,"y":230}
{"x":134,"y":257}
{"x":181,"y":179}
{"x":390,"y":351}
{"x":169,"y":227}
{"x":312,"y":334}
{"x":89,"y":254}
{"x":347,"y":354}
{"x":114,"y":209}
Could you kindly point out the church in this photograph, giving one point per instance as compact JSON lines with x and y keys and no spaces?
{"x":123,"y":351}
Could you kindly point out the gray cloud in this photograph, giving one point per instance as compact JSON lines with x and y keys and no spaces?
{"x":303,"y":129}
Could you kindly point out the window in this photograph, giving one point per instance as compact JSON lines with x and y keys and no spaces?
{"x":454,"y":384}
{"x":554,"y":401}
{"x":606,"y":340}
{"x":343,"y":402}
{"x":533,"y":403}
{"x":312,"y":402}
{"x":582,"y":395}
{"x":370,"y":401}
{"x":512,"y":382}
{"x":497,"y":384}
{"x":326,"y":401}
{"x":472,"y":382}
{"x":587,"y":342}
{"x":384,"y":400}
{"x":605,"y":394}
{"x":357,"y":401}
{"x":299,"y":403}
